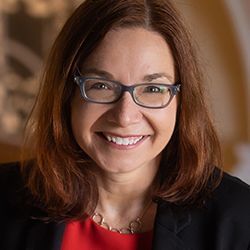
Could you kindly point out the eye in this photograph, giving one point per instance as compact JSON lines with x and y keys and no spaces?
{"x":100,"y":85}
{"x":154,"y":89}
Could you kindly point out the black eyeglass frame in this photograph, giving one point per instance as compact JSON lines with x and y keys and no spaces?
{"x":175,"y":88}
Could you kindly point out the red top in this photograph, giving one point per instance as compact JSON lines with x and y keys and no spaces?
{"x":89,"y":235}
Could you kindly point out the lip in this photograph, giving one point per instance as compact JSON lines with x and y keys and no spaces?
{"x":122,"y":136}
{"x":140,"y":138}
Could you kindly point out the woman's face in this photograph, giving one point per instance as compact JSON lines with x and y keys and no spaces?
{"x":129,"y":56}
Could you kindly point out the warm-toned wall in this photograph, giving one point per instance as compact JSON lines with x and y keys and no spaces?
{"x":222,"y":31}
{"x":27,"y":29}
{"x":9,"y":152}
{"x":212,"y":26}
{"x":220,"y":53}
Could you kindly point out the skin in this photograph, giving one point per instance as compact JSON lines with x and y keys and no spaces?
{"x":125,"y":173}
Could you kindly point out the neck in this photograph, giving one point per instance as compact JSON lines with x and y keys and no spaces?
{"x":124,"y":196}
{"x":117,"y":189}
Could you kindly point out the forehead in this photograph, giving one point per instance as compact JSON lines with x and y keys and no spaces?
{"x":132,"y":51}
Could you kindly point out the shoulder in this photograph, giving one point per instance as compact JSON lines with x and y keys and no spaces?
{"x":228,"y":205}
{"x":14,"y":196}
{"x":226,"y":214}
{"x":233,"y":185}
{"x":18,"y":230}
{"x":231,"y":196}
{"x":223,"y":223}
{"x":229,"y":208}
{"x":10,"y":177}
{"x":9,"y":170}
{"x":10,"y":185}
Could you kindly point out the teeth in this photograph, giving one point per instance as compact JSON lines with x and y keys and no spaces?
{"x":122,"y":141}
{"x":136,"y":140}
{"x":118,"y":141}
{"x":125,"y":141}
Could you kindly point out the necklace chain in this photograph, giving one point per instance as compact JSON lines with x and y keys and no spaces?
{"x":134,"y":226}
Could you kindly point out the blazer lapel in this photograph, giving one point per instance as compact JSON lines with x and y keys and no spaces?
{"x":52,"y":232}
{"x":167,"y":225}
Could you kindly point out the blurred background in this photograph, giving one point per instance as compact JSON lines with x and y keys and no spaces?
{"x":221,"y":29}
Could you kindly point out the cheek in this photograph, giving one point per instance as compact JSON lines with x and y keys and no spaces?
{"x":165,"y":122}
{"x":84,"y":118}
{"x":80,"y":117}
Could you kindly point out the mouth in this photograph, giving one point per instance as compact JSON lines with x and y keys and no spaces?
{"x":122,"y":141}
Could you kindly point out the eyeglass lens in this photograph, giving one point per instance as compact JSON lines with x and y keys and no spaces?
{"x":152,"y":95}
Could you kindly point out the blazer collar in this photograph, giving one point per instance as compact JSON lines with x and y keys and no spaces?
{"x":167,"y":226}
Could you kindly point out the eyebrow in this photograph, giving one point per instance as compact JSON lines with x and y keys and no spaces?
{"x":146,"y":78}
{"x":101,"y":73}
{"x":151,"y":77}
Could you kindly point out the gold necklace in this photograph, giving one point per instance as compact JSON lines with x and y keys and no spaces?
{"x":133,"y":226}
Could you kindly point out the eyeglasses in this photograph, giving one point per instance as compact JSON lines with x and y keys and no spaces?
{"x":147,"y":95}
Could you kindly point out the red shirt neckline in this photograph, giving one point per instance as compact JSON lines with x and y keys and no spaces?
{"x":89,"y":235}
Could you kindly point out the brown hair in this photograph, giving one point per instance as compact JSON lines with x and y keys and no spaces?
{"x":58,"y":178}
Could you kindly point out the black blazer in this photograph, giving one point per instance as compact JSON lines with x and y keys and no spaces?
{"x":224,"y":223}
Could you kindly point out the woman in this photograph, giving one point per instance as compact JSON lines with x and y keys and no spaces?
{"x":124,"y":153}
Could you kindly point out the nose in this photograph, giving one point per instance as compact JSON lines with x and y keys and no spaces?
{"x":125,"y":111}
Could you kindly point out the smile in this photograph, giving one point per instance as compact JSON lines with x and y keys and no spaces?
{"x":122,"y":141}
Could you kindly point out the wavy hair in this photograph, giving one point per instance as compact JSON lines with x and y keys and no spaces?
{"x":59,"y":178}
